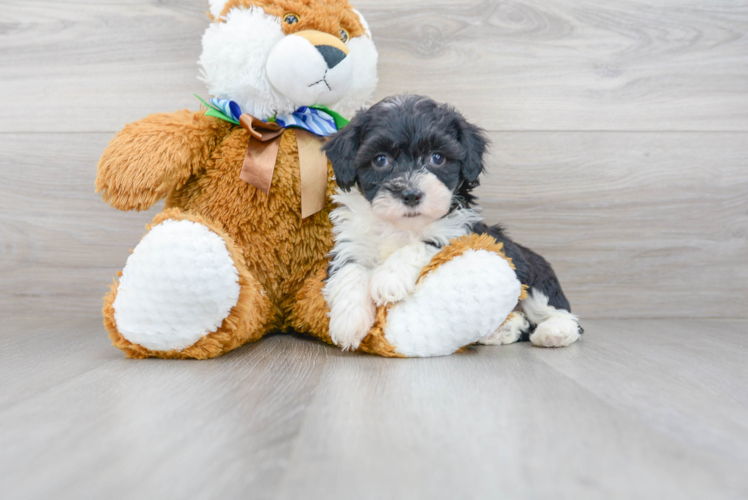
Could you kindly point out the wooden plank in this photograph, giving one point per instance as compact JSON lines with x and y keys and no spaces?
{"x":502,"y":422}
{"x":570,"y":64}
{"x":526,"y":65}
{"x":154,"y":429}
{"x":682,"y":378}
{"x":636,"y":224}
{"x":60,"y":245}
{"x":637,"y":409}
{"x":43,"y":352}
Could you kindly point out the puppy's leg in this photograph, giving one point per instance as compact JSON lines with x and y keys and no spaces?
{"x":352,"y":311}
{"x":396,"y":278}
{"x":510,"y":332}
{"x":556,"y":327}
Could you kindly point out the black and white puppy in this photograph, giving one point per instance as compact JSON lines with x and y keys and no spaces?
{"x":406,"y":169}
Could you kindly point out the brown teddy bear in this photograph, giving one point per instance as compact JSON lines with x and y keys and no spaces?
{"x":241,"y":247}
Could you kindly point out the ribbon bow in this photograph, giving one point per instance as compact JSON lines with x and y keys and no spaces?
{"x":312,"y":123}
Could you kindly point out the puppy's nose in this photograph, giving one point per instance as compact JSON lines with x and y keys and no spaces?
{"x":332,"y":55}
{"x":412,"y":197}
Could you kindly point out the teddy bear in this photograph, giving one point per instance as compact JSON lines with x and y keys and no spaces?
{"x":241,"y":246}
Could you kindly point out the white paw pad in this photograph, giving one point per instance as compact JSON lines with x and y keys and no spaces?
{"x":558,"y":331}
{"x":178,"y":285}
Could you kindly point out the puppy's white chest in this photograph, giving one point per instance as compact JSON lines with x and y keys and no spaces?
{"x":390,"y":244}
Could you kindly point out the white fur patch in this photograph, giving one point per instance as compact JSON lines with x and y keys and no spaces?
{"x":234,"y":62}
{"x":396,"y":278}
{"x":509,"y":332}
{"x":298,"y":71}
{"x":375,"y":261}
{"x":178,"y":285}
{"x":436,"y":199}
{"x":216,"y":7}
{"x":352,"y":312}
{"x":364,"y":238}
{"x":556,"y":327}
{"x":461,"y":302}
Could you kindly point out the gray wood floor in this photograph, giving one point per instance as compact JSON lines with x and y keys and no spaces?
{"x":639,"y":409}
{"x":620,"y":152}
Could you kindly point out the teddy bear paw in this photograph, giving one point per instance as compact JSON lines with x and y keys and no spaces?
{"x":178,"y":285}
{"x":459,"y":303}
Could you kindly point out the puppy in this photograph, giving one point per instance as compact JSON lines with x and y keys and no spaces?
{"x":406,"y":169}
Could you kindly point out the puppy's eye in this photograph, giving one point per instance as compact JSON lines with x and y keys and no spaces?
{"x":437,"y":159}
{"x":381,"y":161}
{"x":291,"y":18}
{"x":343,"y":35}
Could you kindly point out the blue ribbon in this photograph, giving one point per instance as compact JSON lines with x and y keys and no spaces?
{"x":314,"y":120}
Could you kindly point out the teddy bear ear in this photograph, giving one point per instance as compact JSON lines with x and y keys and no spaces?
{"x":216,"y":7}
{"x":363,"y":22}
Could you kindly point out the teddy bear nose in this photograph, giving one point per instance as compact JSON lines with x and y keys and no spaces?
{"x":332,"y":55}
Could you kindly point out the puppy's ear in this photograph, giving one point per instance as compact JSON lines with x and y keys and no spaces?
{"x":341,"y":150}
{"x":475,"y":143}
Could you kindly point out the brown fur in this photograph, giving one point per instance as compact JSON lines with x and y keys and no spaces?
{"x":196,"y":161}
{"x":150,"y":158}
{"x":279,"y":247}
{"x":328,"y":16}
{"x":310,"y":313}
{"x":270,"y":241}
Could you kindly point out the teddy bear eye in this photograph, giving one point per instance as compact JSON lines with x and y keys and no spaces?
{"x":343,"y":35}
{"x":291,"y":18}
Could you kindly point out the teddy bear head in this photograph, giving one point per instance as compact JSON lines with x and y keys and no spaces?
{"x":274,"y":56}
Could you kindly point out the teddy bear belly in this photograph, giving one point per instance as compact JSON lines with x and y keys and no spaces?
{"x":279,"y":247}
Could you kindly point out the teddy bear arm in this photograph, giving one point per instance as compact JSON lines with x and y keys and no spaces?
{"x":464,"y":294}
{"x":156,"y":155}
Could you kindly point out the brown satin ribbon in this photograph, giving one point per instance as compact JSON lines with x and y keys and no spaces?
{"x":262,"y":153}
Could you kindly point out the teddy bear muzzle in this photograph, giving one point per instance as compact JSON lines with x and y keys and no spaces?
{"x":310,"y":67}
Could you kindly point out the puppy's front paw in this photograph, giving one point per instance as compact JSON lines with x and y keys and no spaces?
{"x":350,"y":324}
{"x":389,"y":285}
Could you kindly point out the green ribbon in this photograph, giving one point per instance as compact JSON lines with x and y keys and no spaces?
{"x":340,"y":120}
